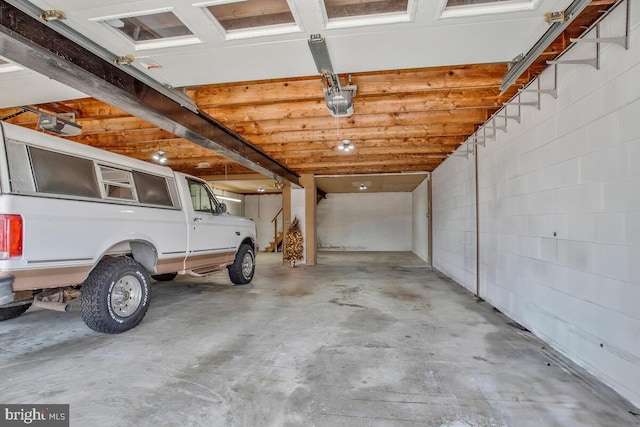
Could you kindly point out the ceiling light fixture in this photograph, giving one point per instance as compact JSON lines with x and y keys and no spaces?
{"x":230,"y":199}
{"x":278,"y":185}
{"x":160,"y":157}
{"x":346,"y":146}
{"x":362,"y":187}
{"x":261,"y":189}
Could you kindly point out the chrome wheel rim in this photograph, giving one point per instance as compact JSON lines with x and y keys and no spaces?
{"x":126,"y":296}
{"x":247,"y":265}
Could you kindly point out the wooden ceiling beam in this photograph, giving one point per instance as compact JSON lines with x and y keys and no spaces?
{"x":215,"y":170}
{"x":368,"y":143}
{"x":349,"y":169}
{"x":235,"y":10}
{"x":436,"y":101}
{"x":400,"y":82}
{"x":367,"y":161}
{"x":375,"y":169}
{"x":133,"y":136}
{"x":159,"y":139}
{"x":421,"y":131}
{"x":92,"y":109}
{"x":476,"y":116}
{"x":292,"y":155}
{"x":89,"y":126}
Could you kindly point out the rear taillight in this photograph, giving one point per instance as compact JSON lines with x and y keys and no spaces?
{"x":10,"y":236}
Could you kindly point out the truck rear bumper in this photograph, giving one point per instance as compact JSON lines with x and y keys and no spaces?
{"x":6,"y":289}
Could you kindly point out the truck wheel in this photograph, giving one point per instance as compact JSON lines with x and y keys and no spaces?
{"x":115,"y":296}
{"x":242,"y":269}
{"x":166,"y":277}
{"x":13,"y":312}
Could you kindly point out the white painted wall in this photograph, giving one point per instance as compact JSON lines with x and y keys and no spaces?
{"x":234,"y":208}
{"x":420,"y":221}
{"x":365,"y":222}
{"x":454,"y":220}
{"x":560,"y":214}
{"x":262,"y":208}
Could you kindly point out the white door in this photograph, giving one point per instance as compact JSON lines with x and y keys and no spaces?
{"x":213,"y":234}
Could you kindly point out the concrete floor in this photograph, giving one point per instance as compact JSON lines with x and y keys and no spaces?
{"x":363,"y":339}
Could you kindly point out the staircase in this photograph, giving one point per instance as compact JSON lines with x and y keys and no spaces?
{"x":275,"y":244}
{"x":278,"y":235}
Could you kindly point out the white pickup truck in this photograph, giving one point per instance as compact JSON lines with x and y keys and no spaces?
{"x":79,"y":222}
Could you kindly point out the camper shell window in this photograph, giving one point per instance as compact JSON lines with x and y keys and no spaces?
{"x":34,"y":170}
{"x":58,"y":173}
{"x":117,"y":183}
{"x":152,"y":189}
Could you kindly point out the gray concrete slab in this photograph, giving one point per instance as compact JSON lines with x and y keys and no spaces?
{"x":362,"y":339}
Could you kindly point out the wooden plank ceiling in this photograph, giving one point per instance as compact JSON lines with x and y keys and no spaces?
{"x":403,"y":121}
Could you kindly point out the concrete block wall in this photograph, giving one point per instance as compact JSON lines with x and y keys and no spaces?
{"x":420,"y":221}
{"x":560,"y":213}
{"x":454,"y":220}
{"x":365,"y":222}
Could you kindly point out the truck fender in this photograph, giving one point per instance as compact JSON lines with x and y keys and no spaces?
{"x":142,"y":251}
{"x":249,"y":241}
{"x":145,"y":253}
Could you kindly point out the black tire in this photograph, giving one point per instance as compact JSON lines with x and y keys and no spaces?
{"x":115,"y":297}
{"x":13,"y":312}
{"x":166,"y":277}
{"x":242,"y":269}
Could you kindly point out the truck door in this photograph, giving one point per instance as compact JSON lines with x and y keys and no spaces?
{"x":212,"y":234}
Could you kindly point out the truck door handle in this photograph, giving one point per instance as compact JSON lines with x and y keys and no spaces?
{"x":197,"y":219}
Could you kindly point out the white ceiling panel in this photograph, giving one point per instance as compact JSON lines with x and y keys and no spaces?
{"x":425,"y":40}
{"x":26,"y":87}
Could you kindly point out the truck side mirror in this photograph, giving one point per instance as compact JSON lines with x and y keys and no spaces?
{"x":222,"y":208}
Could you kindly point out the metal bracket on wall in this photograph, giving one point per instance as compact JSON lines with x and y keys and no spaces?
{"x":535,"y":103}
{"x":495,"y":127}
{"x":467,"y":153}
{"x":483,"y":139}
{"x":553,"y":92}
{"x":471,"y":141}
{"x":594,"y":62}
{"x":621,"y":40}
{"x":507,"y":116}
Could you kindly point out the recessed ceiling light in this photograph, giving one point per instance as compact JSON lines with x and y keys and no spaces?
{"x":160,"y":157}
{"x":345,"y":146}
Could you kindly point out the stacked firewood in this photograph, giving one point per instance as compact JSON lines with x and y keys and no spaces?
{"x":293,"y":246}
